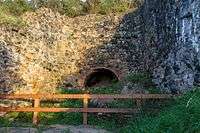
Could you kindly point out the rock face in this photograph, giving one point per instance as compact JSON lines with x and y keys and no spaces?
{"x":161,"y":37}
{"x":53,"y":48}
{"x":179,"y":70}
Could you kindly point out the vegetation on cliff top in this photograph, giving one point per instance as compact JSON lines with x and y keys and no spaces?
{"x":10,"y":11}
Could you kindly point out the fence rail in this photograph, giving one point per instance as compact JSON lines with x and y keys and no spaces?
{"x":37,"y":98}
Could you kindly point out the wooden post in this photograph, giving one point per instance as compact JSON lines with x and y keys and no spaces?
{"x":85,"y":106}
{"x":139,"y":103}
{"x":35,"y":114}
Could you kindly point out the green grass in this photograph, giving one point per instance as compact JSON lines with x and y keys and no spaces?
{"x":16,"y":7}
{"x":113,"y":6}
{"x":10,"y":12}
{"x":175,"y":116}
{"x":7,"y":19}
{"x":110,"y":122}
{"x":181,"y":117}
{"x":25,"y":119}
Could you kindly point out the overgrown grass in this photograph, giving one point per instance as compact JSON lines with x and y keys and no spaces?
{"x":7,"y":19}
{"x":16,"y":7}
{"x":102,"y":121}
{"x":108,"y":122}
{"x":10,"y":12}
{"x":113,"y":6}
{"x":181,"y":117}
{"x":76,"y":7}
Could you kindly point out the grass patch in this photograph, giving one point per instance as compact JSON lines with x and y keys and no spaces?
{"x":16,"y":119}
{"x":181,"y":117}
{"x":11,"y":10}
{"x":7,"y":19}
{"x":16,"y":7}
{"x":112,"y":89}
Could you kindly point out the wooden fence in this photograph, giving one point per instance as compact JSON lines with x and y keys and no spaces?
{"x":37,"y":98}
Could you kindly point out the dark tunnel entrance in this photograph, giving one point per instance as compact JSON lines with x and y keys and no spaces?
{"x":100,"y":77}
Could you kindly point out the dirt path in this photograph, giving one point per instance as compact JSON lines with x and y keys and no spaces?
{"x":53,"y":129}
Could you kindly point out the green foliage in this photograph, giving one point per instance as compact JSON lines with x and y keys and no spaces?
{"x":113,"y":6}
{"x":70,"y":91}
{"x":122,"y":103}
{"x":10,"y":20}
{"x":76,"y":7}
{"x":10,"y":12}
{"x":16,"y":119}
{"x":110,"y":6}
{"x":182,"y":116}
{"x":115,"y":88}
{"x":16,"y":7}
{"x":69,"y":7}
{"x":142,"y":78}
{"x":109,"y":122}
{"x":61,"y":118}
{"x":72,"y":7}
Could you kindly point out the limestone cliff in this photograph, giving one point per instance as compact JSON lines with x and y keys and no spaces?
{"x":161,"y":37}
{"x":50,"y":49}
{"x":179,"y":70}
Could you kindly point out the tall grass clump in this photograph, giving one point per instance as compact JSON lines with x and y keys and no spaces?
{"x":6,"y":18}
{"x":110,"y":6}
{"x":16,"y":7}
{"x":10,"y":11}
{"x":182,"y":117}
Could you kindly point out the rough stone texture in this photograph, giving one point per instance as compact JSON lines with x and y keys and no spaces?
{"x":161,"y":37}
{"x":179,"y":71}
{"x":53,"y":48}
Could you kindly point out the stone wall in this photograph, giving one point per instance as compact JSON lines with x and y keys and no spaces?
{"x":160,"y":37}
{"x":179,"y":70}
{"x":53,"y":49}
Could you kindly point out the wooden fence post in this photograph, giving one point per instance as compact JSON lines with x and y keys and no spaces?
{"x":85,"y":106}
{"x":35,"y":114}
{"x":139,"y":103}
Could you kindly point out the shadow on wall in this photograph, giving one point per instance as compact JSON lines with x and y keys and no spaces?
{"x":126,"y":52}
{"x":141,"y":41}
{"x":100,"y":77}
{"x":122,"y":54}
{"x":8,"y":67}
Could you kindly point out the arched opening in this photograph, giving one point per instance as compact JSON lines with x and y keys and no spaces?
{"x":100,"y":77}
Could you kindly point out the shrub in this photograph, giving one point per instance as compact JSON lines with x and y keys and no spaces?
{"x":110,"y":6}
{"x":72,"y":7}
{"x":5,"y":18}
{"x":16,"y":7}
{"x":10,"y":10}
{"x":113,"y":6}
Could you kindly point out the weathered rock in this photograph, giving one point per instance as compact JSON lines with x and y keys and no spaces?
{"x":50,"y":49}
{"x":131,"y":88}
{"x":161,"y":37}
{"x":179,"y":70}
